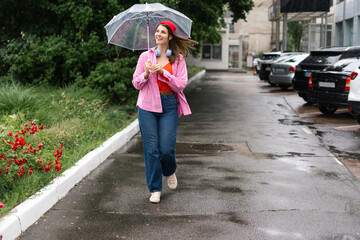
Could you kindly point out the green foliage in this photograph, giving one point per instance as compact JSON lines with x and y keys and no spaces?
{"x":193,"y":70}
{"x":114,"y":79}
{"x":15,"y":98}
{"x":42,"y":61}
{"x":239,"y":8}
{"x":295,"y":30}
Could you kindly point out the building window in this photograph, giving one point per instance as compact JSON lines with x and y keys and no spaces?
{"x":231,"y":29}
{"x":211,"y":51}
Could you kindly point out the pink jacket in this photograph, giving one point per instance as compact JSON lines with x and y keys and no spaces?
{"x":149,"y":95}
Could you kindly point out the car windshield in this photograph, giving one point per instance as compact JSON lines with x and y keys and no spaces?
{"x":346,"y":65}
{"x":323,"y":58}
{"x":269,"y":56}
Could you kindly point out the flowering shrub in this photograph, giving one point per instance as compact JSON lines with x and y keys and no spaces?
{"x":23,"y":152}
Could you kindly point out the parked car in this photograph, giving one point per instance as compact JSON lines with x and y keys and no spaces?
{"x":263,"y":64}
{"x":266,"y":66}
{"x":283,"y":72}
{"x":354,"y":94}
{"x":317,"y":61}
{"x":329,"y":89}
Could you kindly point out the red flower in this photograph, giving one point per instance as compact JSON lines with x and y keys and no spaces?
{"x":47,"y":168}
{"x":57,"y":167}
{"x":21,"y":171}
{"x":1,"y":172}
{"x":1,"y":205}
{"x":22,"y":142}
{"x":41,"y":127}
{"x":30,"y":171}
{"x":22,"y":132}
{"x":10,"y":134}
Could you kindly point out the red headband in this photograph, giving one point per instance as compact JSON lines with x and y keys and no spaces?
{"x":169,"y":24}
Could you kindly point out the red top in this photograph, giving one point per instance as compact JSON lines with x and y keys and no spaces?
{"x":162,"y":85}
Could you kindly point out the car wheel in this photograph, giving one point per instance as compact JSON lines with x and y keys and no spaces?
{"x":284,"y":87}
{"x":358,"y":118}
{"x":305,"y":97}
{"x":327,"y":109}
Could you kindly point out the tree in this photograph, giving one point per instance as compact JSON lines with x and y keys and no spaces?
{"x":295,"y":30}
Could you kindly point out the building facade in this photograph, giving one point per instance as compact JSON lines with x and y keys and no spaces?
{"x":347,"y":23}
{"x":239,"y":40}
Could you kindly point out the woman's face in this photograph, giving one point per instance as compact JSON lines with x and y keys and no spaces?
{"x":162,"y":35}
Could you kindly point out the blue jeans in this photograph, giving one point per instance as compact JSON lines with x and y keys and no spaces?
{"x":159,"y":132}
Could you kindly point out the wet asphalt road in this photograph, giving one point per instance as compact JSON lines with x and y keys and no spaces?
{"x":248,"y":168}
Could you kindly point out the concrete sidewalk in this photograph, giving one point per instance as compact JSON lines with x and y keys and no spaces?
{"x":248,"y":168}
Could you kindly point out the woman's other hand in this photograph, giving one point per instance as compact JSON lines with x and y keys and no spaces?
{"x":157,"y":68}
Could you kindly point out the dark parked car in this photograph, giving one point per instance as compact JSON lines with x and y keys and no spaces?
{"x":317,"y":61}
{"x":329,"y":89}
{"x":264,"y":64}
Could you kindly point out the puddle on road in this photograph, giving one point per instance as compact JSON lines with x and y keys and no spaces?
{"x":231,"y":190}
{"x":200,"y":147}
{"x":291,"y":122}
{"x":236,"y":219}
{"x":195,"y":147}
{"x":214,"y":147}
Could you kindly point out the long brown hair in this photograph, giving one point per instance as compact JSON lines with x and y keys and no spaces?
{"x":179,"y":45}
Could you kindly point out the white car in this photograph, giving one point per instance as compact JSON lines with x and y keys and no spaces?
{"x":354,"y":94}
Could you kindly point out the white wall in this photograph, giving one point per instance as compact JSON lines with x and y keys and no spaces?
{"x":214,"y":64}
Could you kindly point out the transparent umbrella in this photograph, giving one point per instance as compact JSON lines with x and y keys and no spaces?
{"x":131,"y":28}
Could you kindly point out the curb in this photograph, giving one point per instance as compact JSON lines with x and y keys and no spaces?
{"x":197,"y":76}
{"x":29,"y":211}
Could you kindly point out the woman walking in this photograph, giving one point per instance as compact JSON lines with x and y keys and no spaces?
{"x":161,"y":76}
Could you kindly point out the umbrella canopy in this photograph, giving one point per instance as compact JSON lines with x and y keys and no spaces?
{"x":131,"y":29}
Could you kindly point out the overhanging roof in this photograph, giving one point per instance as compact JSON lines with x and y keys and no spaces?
{"x":298,"y":10}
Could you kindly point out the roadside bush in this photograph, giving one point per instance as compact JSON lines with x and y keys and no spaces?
{"x":51,"y":60}
{"x":114,"y":79}
{"x":41,"y":61}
